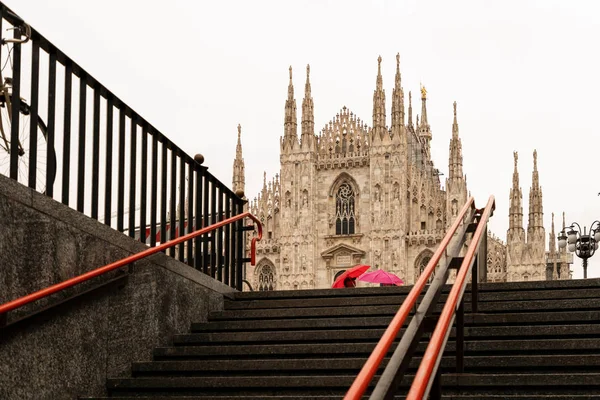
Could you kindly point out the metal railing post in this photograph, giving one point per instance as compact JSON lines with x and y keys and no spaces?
{"x":436,"y":387}
{"x":474,"y":285}
{"x":483,"y":256}
{"x":239,"y":258}
{"x":460,"y":337}
{"x":16,"y":106}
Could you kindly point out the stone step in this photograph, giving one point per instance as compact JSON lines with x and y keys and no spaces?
{"x":398,"y":298}
{"x":333,"y":335}
{"x":315,"y":312}
{"x":382,"y":310}
{"x":199,"y":396}
{"x":555,"y":317}
{"x":292,"y":324}
{"x":317,"y":397}
{"x":312,"y":350}
{"x":392,"y":299}
{"x":322,"y":336}
{"x":519,"y":287}
{"x":361,"y":321}
{"x":228,"y":397}
{"x":522,"y":383}
{"x":251,"y":385}
{"x":521,"y":397}
{"x":362,"y":349}
{"x":503,"y":364}
{"x":323,"y":293}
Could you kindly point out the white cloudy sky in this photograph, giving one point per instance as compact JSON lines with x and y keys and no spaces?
{"x":524,"y":74}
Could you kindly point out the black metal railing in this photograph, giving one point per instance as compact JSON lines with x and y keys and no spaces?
{"x":78,"y":143}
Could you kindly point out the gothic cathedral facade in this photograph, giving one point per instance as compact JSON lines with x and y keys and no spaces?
{"x":358,"y":194}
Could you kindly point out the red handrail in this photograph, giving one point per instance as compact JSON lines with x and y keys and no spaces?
{"x":438,"y":338}
{"x":11,"y":305}
{"x":360,"y":384}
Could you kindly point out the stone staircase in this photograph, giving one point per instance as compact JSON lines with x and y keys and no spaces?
{"x":528,"y":340}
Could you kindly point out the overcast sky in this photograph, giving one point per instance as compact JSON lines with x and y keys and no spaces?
{"x":524,"y":75}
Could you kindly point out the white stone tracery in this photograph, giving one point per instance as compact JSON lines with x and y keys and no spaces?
{"x":345,"y":220}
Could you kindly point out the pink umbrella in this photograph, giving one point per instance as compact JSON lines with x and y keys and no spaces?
{"x":381,"y":276}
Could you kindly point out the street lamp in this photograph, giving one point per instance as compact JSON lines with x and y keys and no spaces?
{"x":583,"y":244}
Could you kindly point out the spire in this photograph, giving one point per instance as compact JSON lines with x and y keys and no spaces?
{"x":238,"y":148}
{"x":379,"y":128}
{"x":515,"y":232}
{"x":456,"y":184}
{"x":536,"y":210}
{"x":536,"y":179}
{"x":290,"y":136}
{"x":410,"y":121}
{"x":307,"y":93}
{"x":291,"y":87}
{"x":397,"y":103}
{"x":552,"y":243}
{"x":455,"y":123}
{"x":423,"y":105}
{"x":455,"y":164}
{"x":239,"y":179}
{"x":423,"y":127}
{"x":308,"y":116}
{"x":379,"y":78}
{"x":398,"y":76}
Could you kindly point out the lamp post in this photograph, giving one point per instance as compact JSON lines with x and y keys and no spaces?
{"x":580,"y":242}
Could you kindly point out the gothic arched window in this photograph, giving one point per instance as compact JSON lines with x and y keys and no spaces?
{"x":345,"y":219}
{"x":266,"y":278}
{"x":421,"y":264}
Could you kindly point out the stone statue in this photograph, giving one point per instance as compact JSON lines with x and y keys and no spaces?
{"x":377,"y":256}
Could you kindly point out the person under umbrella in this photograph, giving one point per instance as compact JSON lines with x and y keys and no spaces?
{"x":350,"y":282}
{"x":351,"y":274}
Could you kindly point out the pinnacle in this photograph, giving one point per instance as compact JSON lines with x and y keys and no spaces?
{"x":379,"y":87}
{"x":307,"y":85}
{"x":455,"y":124}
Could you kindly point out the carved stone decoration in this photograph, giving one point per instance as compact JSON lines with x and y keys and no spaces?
{"x":342,"y":255}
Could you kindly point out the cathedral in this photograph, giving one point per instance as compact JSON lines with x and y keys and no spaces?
{"x":358,"y":194}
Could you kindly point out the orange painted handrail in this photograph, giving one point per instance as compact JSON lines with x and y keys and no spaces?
{"x":362,"y":380}
{"x":6,"y":307}
{"x":438,"y":338}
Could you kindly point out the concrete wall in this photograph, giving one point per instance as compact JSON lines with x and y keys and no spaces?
{"x":73,"y":349}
